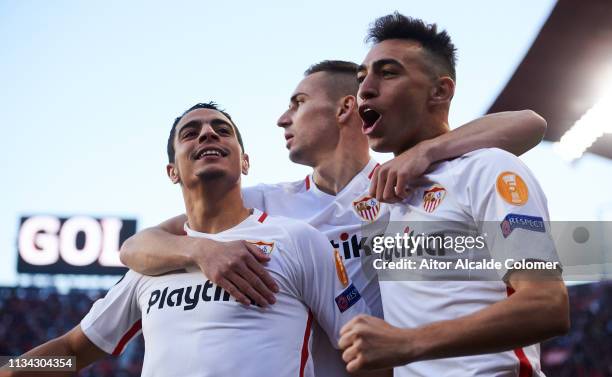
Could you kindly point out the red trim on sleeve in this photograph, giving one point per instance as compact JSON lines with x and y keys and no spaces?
{"x":307,"y":181}
{"x":262,"y":218}
{"x":305,"y":344}
{"x":126,"y":337}
{"x":372,"y":172}
{"x":525,"y":368}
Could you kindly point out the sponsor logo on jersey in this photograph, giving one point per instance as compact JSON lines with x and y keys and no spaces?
{"x":186,"y":297}
{"x":367,"y":208}
{"x":340,"y":269}
{"x":433,"y":197}
{"x":352,"y":245}
{"x":513,"y":221}
{"x":512,"y":188}
{"x":265,"y":247}
{"x":347,"y":298}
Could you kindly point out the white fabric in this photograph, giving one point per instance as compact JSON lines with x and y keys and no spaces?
{"x":335,"y":216}
{"x":471,"y":197}
{"x":193,"y":328}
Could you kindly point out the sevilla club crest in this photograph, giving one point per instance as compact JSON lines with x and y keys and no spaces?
{"x":265,"y":247}
{"x":367,"y":208}
{"x":433,"y":197}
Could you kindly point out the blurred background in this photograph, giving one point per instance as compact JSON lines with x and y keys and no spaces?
{"x":89,"y":91}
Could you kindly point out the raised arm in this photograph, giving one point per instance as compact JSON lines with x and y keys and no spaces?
{"x":235,"y":266}
{"x":73,"y":343}
{"x":514,"y":131}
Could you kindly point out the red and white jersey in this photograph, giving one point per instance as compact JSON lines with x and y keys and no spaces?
{"x":192,"y":327}
{"x":485,"y":185}
{"x":343,"y":218}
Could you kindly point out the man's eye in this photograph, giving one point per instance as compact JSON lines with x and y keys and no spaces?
{"x":224,"y":131}
{"x":360,"y":79}
{"x":188,"y":134}
{"x":386,"y":73}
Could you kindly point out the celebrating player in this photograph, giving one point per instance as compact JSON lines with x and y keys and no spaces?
{"x":190,"y":325}
{"x":322,"y":129}
{"x":407,"y":81}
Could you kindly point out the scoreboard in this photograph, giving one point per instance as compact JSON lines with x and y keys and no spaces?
{"x":72,"y":245}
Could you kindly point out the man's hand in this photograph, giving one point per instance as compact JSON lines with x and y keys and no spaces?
{"x":391,"y":180}
{"x":235,"y":266}
{"x":371,"y":343}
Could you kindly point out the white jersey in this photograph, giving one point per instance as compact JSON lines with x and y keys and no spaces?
{"x":342,"y":219}
{"x":192,"y":327}
{"x":485,"y":185}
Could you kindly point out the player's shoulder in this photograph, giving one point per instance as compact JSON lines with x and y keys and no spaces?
{"x":280,"y":187}
{"x":485,"y":161}
{"x":292,"y":227}
{"x":487,"y":156}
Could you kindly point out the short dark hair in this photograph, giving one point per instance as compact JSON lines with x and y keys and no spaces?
{"x":208,"y":105}
{"x":438,"y":44}
{"x":343,"y":76}
{"x":333,"y":66}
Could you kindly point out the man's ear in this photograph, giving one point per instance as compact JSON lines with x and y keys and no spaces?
{"x":443,"y":91}
{"x":346,"y":108}
{"x":245,"y":164}
{"x":172,"y":171}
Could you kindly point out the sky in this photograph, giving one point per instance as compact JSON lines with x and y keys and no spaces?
{"x":89,"y":90}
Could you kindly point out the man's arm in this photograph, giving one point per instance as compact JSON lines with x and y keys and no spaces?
{"x":514,"y":131}
{"x":235,"y":266}
{"x":160,"y":249}
{"x":73,"y":343}
{"x":537,"y":310}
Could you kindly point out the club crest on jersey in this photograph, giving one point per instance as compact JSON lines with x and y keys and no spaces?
{"x":265,"y":247}
{"x":367,"y":208}
{"x":433,"y":197}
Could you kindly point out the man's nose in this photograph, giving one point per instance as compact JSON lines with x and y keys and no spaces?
{"x":208,"y":133}
{"x":368,"y":88}
{"x":284,"y":120}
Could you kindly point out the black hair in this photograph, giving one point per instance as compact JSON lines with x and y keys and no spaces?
{"x":343,"y":76}
{"x":439,"y":46}
{"x":333,"y":66}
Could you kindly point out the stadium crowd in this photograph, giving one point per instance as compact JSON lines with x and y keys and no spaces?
{"x":31,"y":316}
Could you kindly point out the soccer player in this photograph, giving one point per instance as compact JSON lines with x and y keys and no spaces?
{"x":322,"y":129}
{"x":190,"y":325}
{"x":433,"y":321}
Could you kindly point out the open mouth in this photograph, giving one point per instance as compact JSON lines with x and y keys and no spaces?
{"x":369,"y":117}
{"x":209,"y":152}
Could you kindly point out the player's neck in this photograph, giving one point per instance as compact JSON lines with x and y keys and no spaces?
{"x":429,"y":129}
{"x":339,"y":168}
{"x":213,"y":210}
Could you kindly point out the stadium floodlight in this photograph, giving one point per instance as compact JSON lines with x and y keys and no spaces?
{"x":596,"y":122}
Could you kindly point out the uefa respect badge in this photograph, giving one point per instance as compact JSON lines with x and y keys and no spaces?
{"x":347,"y":298}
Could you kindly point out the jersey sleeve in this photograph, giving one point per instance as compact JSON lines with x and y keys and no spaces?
{"x":324,"y":284}
{"x":253,"y":197}
{"x":510,"y":208}
{"x":115,"y":319}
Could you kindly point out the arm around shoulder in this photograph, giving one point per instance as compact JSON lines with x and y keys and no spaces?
{"x":159,"y":249}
